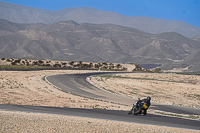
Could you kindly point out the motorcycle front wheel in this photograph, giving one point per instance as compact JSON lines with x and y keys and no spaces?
{"x":130,"y":112}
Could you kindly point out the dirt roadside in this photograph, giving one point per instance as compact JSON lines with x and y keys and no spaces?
{"x":172,"y":89}
{"x":46,"y":123}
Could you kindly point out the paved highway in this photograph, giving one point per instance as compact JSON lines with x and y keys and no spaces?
{"x":77,"y":84}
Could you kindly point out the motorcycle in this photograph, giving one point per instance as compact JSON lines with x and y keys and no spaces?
{"x":139,"y":108}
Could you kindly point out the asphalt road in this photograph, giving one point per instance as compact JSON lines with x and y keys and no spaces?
{"x":77,"y":84}
{"x":115,"y":115}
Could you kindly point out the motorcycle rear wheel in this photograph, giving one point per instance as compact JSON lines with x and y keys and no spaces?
{"x":137,"y":111}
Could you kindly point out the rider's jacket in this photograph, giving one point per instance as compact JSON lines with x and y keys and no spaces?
{"x":146,"y":101}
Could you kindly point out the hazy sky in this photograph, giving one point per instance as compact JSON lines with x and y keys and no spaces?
{"x":185,"y":10}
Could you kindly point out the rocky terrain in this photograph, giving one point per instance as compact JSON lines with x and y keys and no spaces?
{"x":68,"y":40}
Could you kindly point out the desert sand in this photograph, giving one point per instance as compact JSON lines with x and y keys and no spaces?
{"x":172,"y":89}
{"x":22,"y":122}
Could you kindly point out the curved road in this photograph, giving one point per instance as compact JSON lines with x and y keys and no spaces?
{"x":77,"y":84}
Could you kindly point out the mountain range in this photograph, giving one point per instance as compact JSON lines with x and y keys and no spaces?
{"x":23,"y":14}
{"x":72,"y":41}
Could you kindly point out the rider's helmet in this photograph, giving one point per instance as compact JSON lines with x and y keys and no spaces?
{"x":149,"y":98}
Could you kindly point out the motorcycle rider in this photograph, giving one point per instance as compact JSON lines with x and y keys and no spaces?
{"x":147,"y":102}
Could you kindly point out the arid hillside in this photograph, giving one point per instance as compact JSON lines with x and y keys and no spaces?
{"x":90,"y":15}
{"x":69,"y":40}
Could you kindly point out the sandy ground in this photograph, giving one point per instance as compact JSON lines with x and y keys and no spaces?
{"x":39,"y":123}
{"x":30,"y":88}
{"x":173,"y":89}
